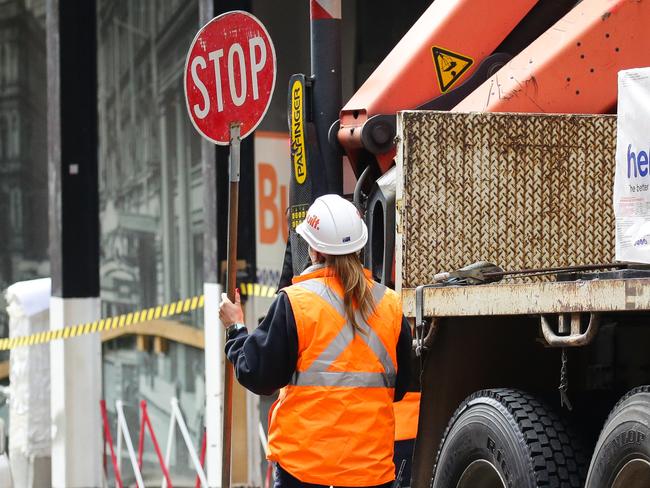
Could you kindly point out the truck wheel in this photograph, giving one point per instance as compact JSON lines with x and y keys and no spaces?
{"x":622,"y":455}
{"x":505,"y":438}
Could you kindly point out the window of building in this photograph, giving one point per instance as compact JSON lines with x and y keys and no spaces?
{"x":14,"y":146}
{"x":16,"y":209}
{"x":4,"y":137}
{"x":4,"y":69}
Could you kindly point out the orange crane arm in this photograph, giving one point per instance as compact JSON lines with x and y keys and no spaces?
{"x":572,"y":67}
{"x":455,"y":35}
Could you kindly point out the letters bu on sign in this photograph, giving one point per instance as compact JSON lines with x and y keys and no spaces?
{"x":229,"y":75}
{"x":631,"y":186}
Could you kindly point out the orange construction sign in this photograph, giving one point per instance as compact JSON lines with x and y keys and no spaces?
{"x":450,"y":66}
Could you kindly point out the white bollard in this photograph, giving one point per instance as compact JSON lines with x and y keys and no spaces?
{"x":29,"y":409}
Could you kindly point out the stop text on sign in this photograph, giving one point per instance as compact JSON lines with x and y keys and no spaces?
{"x":237,"y":65}
{"x":229,"y":75}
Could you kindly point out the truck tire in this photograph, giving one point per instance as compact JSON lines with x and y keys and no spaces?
{"x":505,"y":438}
{"x":622,"y":454}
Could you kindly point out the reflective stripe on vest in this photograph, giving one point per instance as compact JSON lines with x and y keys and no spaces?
{"x":318,"y":375}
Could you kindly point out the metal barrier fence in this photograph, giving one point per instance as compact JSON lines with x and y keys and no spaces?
{"x":123,"y":435}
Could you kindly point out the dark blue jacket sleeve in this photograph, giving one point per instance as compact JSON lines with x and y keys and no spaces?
{"x":404,"y":348}
{"x":265,"y":359}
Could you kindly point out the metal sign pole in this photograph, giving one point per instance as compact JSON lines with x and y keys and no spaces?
{"x":231,"y":283}
{"x":225,"y":124}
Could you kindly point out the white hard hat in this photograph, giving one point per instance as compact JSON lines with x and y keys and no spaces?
{"x":333,"y":226}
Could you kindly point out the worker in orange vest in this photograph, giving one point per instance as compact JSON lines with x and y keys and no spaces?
{"x":406,"y":412}
{"x":337,"y":345}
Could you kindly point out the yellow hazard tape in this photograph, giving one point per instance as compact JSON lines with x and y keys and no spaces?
{"x":257,"y":290}
{"x":125,"y":320}
{"x":128,"y":319}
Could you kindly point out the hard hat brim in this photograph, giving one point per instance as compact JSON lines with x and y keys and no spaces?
{"x":334,"y":250}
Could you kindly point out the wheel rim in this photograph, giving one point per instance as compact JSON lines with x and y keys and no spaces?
{"x":481,"y":474}
{"x":635,"y":474}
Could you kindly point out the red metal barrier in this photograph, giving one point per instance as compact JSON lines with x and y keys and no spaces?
{"x":204,"y":446}
{"x":269,"y":475}
{"x":145,"y":421}
{"x":109,"y":438}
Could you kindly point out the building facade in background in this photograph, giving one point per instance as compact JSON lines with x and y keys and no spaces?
{"x":151,"y":209}
{"x":23,"y":142}
{"x":150,"y":160}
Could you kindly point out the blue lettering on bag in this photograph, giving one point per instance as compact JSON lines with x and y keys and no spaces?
{"x":637,"y":162}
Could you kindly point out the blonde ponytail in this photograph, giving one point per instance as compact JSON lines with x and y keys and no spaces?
{"x":356,"y":287}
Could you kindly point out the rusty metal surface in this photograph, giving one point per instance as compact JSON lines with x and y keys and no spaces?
{"x":532,"y":298}
{"x":519,"y":190}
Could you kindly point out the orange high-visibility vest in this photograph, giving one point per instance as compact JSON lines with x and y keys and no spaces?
{"x":407,"y":411}
{"x":333,"y":424}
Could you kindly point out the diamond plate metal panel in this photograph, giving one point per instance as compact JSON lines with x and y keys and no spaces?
{"x":519,"y":190}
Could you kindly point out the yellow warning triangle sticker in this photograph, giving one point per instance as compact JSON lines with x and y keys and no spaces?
{"x":450,"y":66}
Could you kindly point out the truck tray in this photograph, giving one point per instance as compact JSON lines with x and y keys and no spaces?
{"x":519,"y":190}
{"x":616,"y":295}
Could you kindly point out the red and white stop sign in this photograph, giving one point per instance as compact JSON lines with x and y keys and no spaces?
{"x":229,"y":75}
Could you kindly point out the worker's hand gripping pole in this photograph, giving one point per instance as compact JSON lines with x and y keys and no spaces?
{"x":231,"y":283}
